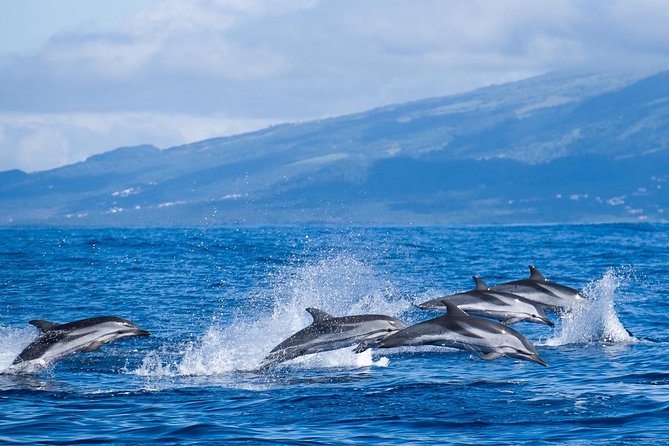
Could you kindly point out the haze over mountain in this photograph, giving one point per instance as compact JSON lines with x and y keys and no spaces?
{"x":555,"y":148}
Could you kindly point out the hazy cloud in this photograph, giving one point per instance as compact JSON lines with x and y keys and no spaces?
{"x":42,"y":141}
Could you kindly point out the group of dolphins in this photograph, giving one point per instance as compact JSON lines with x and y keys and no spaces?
{"x":470,"y":323}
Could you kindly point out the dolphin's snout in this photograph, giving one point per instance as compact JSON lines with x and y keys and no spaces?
{"x":547,"y":321}
{"x":538,"y":360}
{"x":140,"y":332}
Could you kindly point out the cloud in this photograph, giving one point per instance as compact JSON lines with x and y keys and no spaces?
{"x":103,"y":57}
{"x":173,"y":38}
{"x":43,"y":141}
{"x":272,"y":60}
{"x":269,"y":58}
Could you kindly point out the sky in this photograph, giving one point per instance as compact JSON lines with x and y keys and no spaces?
{"x":79,"y":77}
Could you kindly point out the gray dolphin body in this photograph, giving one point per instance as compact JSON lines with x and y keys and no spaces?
{"x":328,"y":332}
{"x":459,"y":330}
{"x":482,"y":301}
{"x":537,"y":288}
{"x":59,"y":341}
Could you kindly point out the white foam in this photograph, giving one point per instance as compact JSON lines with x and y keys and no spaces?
{"x":340,"y":285}
{"x":596,"y":320}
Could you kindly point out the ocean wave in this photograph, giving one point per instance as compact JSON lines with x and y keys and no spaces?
{"x":340,"y":285}
{"x":596,"y":319}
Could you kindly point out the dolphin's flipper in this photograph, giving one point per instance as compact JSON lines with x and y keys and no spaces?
{"x":44,"y":326}
{"x":319,"y":315}
{"x":480,"y":284}
{"x":491,"y":356}
{"x":511,"y":320}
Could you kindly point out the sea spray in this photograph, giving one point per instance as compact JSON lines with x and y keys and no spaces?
{"x":596,"y":320}
{"x":12,"y":342}
{"x":340,"y":285}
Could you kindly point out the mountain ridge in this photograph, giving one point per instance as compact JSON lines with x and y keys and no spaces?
{"x":345,"y":169}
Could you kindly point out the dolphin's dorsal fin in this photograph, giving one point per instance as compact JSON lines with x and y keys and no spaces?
{"x":319,"y":315}
{"x":452,"y":309}
{"x":480,"y":284}
{"x":43,"y":325}
{"x":536,"y":275}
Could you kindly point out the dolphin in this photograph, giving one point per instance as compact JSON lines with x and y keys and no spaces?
{"x":538,"y":289}
{"x":457,"y":329}
{"x":59,"y":341}
{"x":328,"y":332}
{"x":482,"y":301}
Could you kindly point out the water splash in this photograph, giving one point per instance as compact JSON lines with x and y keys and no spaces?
{"x":12,"y":342}
{"x":596,"y":320}
{"x":340,"y":285}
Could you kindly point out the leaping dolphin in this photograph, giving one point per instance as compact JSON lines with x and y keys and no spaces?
{"x":328,"y":332}
{"x":538,"y":289}
{"x":482,"y":301}
{"x":459,"y":330}
{"x":59,"y":341}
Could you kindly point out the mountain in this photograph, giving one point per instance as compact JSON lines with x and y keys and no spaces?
{"x":554,"y":148}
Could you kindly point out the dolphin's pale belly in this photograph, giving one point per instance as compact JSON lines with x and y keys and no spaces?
{"x":502,"y":306}
{"x":80,"y":340}
{"x":332,"y":338}
{"x":467,"y":337}
{"x":548,"y":294}
{"x":474,"y":339}
{"x":508,"y":309}
{"x":346,"y":338}
{"x":532,"y":293}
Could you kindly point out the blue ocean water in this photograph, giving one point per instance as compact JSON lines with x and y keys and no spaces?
{"x":217,"y":300}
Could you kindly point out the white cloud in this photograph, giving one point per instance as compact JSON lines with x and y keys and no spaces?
{"x":43,"y":144}
{"x":43,"y":141}
{"x":102,"y":56}
{"x":170,"y":16}
{"x":222,"y":60}
{"x":322,"y":58}
{"x":268,"y":60}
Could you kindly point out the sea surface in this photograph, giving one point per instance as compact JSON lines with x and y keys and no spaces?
{"x":218,"y":299}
